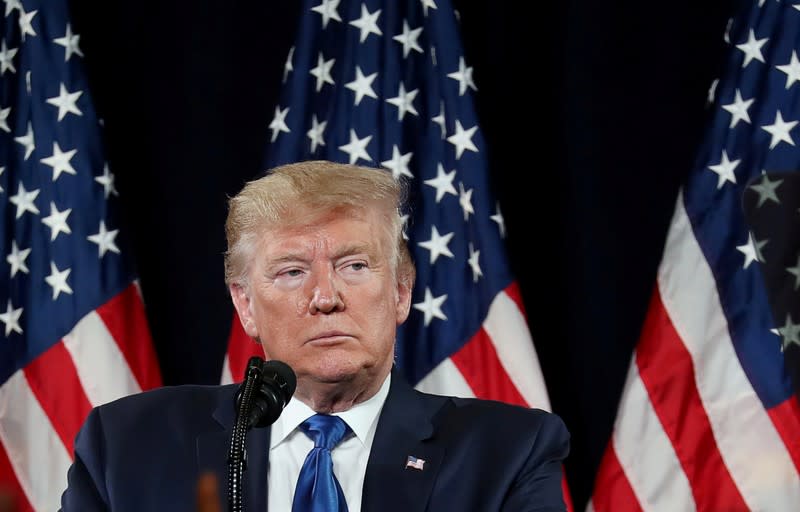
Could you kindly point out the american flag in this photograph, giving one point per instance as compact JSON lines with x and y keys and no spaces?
{"x":386,"y":83}
{"x":415,"y":463}
{"x":73,"y":324}
{"x":708,"y":419}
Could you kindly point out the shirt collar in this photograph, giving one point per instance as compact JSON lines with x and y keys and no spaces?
{"x":362,"y":418}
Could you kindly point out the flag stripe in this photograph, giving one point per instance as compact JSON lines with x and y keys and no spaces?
{"x":11,"y":486}
{"x":508,"y":330}
{"x":750,"y":446}
{"x":35,"y":451}
{"x":665,"y":368}
{"x":89,"y":342}
{"x":646,"y":455}
{"x":125,"y":318}
{"x":53,"y":380}
{"x":446,"y":379}
{"x":241,"y":348}
{"x":786,"y":417}
{"x":477,"y":361}
{"x":613,"y":492}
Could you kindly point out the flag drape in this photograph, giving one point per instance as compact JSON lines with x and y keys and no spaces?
{"x":708,"y":419}
{"x":71,"y":317}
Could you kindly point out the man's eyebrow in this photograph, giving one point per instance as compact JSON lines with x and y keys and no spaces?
{"x":353,"y":248}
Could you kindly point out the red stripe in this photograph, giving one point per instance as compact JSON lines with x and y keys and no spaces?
{"x":514,"y":293}
{"x":786,"y":418}
{"x":241,"y":348}
{"x":10,"y":488}
{"x":612,"y":491}
{"x":54,"y":381}
{"x":667,"y":371}
{"x":565,"y":492}
{"x":125,"y":319}
{"x":478,"y":363}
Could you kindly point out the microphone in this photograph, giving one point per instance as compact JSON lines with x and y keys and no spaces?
{"x":274,"y":383}
{"x":267,"y":388}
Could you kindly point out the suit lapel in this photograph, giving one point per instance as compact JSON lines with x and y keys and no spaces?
{"x":404,"y":429}
{"x":212,"y":455}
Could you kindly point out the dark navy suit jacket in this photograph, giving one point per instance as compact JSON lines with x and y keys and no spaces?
{"x":145,"y":453}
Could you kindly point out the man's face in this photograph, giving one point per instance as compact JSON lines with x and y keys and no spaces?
{"x":323,"y":299}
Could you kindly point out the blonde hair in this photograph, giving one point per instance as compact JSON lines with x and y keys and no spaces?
{"x":289,"y":194}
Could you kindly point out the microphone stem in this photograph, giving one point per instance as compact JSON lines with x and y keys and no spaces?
{"x":237,"y":462}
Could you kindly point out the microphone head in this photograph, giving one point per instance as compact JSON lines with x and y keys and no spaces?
{"x":283,"y":375}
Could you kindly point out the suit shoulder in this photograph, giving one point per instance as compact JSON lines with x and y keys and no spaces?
{"x":495,"y":414}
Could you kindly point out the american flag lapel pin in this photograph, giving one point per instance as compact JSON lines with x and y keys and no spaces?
{"x":415,"y":463}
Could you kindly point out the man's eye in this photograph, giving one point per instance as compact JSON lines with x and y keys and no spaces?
{"x":293,"y":272}
{"x":358,"y":266}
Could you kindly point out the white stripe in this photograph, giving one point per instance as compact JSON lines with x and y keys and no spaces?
{"x":646,"y":454}
{"x":37,"y":455}
{"x":445,"y":379}
{"x":589,"y":506}
{"x":102,"y":369}
{"x":507,"y":328}
{"x":227,"y":376}
{"x":747,"y":439}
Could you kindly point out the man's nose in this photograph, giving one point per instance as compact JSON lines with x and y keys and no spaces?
{"x":325,"y":296}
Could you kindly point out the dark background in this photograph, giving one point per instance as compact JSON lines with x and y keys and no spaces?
{"x":592,"y":113}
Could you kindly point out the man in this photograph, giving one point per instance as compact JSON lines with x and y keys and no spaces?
{"x":321,"y":277}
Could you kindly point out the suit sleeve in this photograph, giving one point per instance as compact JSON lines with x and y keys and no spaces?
{"x":86,"y":490}
{"x":537,"y":487}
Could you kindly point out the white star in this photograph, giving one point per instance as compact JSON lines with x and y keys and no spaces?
{"x":315,"y":133}
{"x":792,"y":70}
{"x":473,"y":262}
{"x":752,"y":48}
{"x":795,"y":271}
{"x":2,"y":170}
{"x":367,"y":23}
{"x":11,"y":319}
{"x":462,"y":139}
{"x":404,"y":221}
{"x":766,"y":189}
{"x":724,"y":170}
{"x":404,"y":101}
{"x":57,"y":221}
{"x":752,"y":250}
{"x":439,"y":120}
{"x":70,"y":43}
{"x":11,"y":5}
{"x":443,"y":182}
{"x":409,"y":39}
{"x":58,"y":280}
{"x":438,"y":244}
{"x":104,"y":240}
{"x":107,"y":180}
{"x":426,"y":4}
{"x":323,"y":71}
{"x":288,"y":67}
{"x":17,"y":259}
{"x":4,"y":113}
{"x":431,"y":306}
{"x":6,"y":58}
{"x":780,"y":130}
{"x":24,"y":200}
{"x":465,"y":200}
{"x":278,"y":123}
{"x":28,"y":141}
{"x":362,"y":85}
{"x":65,"y":101}
{"x":59,"y":161}
{"x":25,"y":20}
{"x":357,"y":148}
{"x":790,"y":332}
{"x":328,"y":11}
{"x":463,"y":76}
{"x":399,"y":163}
{"x":738,"y":109}
{"x":498,"y":218}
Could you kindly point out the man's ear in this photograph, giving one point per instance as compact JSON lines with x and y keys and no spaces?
{"x":241,"y":301}
{"x":404,"y":287}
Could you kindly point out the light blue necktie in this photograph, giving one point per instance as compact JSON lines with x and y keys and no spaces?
{"x":317,"y":488}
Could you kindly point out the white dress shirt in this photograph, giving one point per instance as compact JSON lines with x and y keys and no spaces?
{"x":289,"y":447}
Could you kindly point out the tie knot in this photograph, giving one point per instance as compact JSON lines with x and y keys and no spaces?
{"x":326,"y":431}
